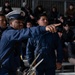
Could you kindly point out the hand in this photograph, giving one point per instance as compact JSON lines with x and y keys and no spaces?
{"x":31,"y":17}
{"x":58,"y":65}
{"x":52,"y":28}
{"x":21,"y":57}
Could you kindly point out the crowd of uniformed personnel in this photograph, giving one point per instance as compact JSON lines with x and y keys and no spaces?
{"x":24,"y":35}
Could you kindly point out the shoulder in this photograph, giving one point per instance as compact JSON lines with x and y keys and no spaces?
{"x":10,"y":33}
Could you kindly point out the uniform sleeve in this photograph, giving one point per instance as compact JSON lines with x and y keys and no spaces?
{"x":30,"y":51}
{"x":59,"y":49}
{"x":25,"y":33}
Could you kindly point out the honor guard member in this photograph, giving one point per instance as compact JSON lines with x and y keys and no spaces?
{"x":12,"y":34}
{"x":45,"y":45}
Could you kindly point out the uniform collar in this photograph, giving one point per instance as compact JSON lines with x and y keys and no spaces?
{"x":9,"y":27}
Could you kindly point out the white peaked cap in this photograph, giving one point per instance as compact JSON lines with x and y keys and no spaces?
{"x":14,"y":12}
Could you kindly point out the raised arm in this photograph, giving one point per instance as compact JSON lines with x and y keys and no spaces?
{"x":12,"y":34}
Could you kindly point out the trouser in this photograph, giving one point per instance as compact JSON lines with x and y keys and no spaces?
{"x":45,"y":72}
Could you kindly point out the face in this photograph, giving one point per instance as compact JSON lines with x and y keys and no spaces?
{"x":43,"y":21}
{"x":53,"y":9}
{"x":7,"y":4}
{"x":3,"y":22}
{"x":66,"y":27}
{"x":39,"y":8}
{"x":28,"y":25}
{"x":16,"y":24}
{"x":71,"y":7}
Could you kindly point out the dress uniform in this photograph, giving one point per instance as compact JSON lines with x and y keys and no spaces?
{"x":45,"y":45}
{"x":10,"y":36}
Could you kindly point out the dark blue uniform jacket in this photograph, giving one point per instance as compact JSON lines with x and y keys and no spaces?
{"x":7,"y":43}
{"x":45,"y":44}
{"x":2,"y":30}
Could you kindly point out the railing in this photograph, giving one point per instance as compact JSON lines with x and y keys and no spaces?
{"x":70,"y":70}
{"x":64,"y":71}
{"x":72,"y":73}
